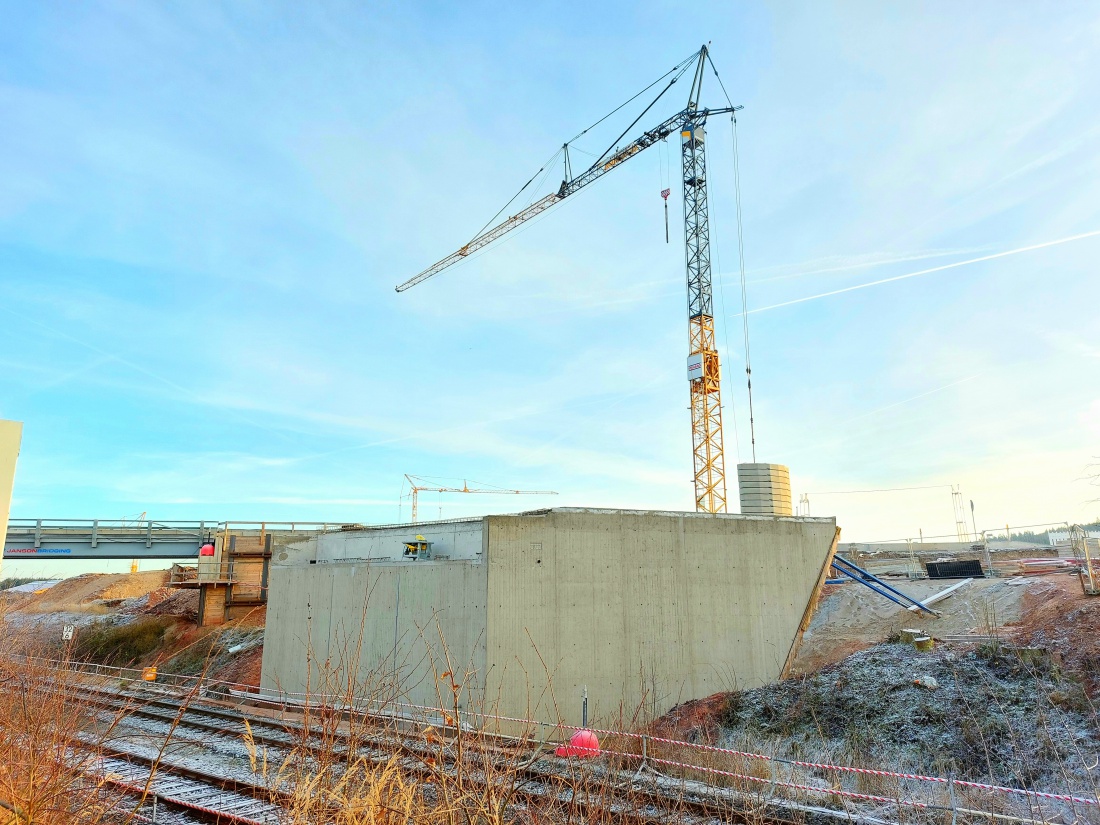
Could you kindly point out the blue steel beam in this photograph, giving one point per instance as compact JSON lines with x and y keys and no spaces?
{"x":865,"y":578}
{"x":95,"y":539}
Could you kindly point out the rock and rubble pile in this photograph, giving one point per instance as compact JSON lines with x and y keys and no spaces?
{"x":981,"y":713}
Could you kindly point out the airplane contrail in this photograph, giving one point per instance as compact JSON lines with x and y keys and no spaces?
{"x":1004,"y":254}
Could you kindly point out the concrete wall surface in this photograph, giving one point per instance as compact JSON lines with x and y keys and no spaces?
{"x":298,"y":551}
{"x":11,"y":432}
{"x":456,"y":539}
{"x":365,"y":620}
{"x":643,"y":608}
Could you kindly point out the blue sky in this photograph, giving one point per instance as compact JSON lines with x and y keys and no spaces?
{"x":205,"y":208}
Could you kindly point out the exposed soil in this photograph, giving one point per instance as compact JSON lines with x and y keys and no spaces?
{"x":181,"y":603}
{"x":695,"y":721}
{"x":159,"y":595}
{"x":850,"y":617}
{"x":1058,"y":617}
{"x":118,"y":604}
{"x":255,"y":618}
{"x":130,"y":585}
{"x":244,"y":669}
{"x":90,"y":587}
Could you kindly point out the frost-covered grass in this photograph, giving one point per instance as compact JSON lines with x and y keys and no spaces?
{"x":990,"y":716}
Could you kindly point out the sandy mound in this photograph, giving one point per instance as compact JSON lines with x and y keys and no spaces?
{"x":93,"y":586}
{"x":129,"y":585}
{"x":851,"y":617}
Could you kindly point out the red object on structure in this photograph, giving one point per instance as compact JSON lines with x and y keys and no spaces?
{"x":206,"y":550}
{"x":581,"y":743}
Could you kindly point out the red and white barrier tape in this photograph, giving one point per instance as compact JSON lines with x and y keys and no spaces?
{"x":865,"y":771}
{"x":776,"y":783}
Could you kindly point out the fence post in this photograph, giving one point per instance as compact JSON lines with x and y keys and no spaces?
{"x":154,"y":809}
{"x":954,"y":804}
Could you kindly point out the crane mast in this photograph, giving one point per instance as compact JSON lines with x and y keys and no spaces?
{"x":704,"y":373}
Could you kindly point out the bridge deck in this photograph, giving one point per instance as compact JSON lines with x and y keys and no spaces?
{"x":106,"y":539}
{"x":100,"y":539}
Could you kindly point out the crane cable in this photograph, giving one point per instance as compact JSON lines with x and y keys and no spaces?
{"x":520,"y":192}
{"x":645,"y":111}
{"x":678,"y":67}
{"x":744,"y":293}
{"x":665,"y":175}
{"x":740,"y":253}
{"x":717,"y":252}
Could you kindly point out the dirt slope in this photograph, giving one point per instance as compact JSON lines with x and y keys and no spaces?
{"x":1058,"y":617}
{"x":94,"y":586}
{"x":850,"y":617}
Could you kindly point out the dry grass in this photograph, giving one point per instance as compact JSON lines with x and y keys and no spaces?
{"x":355,"y":769}
{"x":89,"y":608}
{"x":46,"y":770}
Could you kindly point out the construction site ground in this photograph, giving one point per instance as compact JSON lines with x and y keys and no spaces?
{"x":856,"y":695}
{"x":849,"y":617}
{"x":94,"y":602}
{"x":1007,"y":695}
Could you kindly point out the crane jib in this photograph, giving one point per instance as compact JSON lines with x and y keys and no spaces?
{"x":484,"y":239}
{"x":568,"y":187}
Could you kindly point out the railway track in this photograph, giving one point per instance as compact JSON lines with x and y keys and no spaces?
{"x":182,"y":794}
{"x":540,"y":779}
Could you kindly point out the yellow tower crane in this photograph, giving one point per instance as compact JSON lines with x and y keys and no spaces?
{"x":417,"y":486}
{"x":703,"y":371}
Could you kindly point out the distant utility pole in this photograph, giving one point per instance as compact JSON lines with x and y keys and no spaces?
{"x":973,"y":520}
